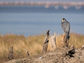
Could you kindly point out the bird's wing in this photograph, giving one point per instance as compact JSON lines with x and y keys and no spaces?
{"x":66,"y":27}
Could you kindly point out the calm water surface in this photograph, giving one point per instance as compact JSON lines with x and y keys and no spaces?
{"x":32,"y":23}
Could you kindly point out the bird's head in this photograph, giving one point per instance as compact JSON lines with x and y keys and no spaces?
{"x":63,"y":19}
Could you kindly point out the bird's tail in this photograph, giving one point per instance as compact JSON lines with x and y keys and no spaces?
{"x":67,"y":36}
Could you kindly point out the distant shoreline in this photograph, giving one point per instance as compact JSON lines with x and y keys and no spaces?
{"x":40,"y":9}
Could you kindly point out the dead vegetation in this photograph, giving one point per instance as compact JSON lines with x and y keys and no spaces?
{"x":58,"y":56}
{"x":45,"y":44}
{"x":34,"y":45}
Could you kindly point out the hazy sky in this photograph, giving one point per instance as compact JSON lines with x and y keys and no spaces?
{"x":47,"y":0}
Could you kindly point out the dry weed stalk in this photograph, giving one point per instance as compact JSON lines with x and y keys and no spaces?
{"x":11,"y":53}
{"x":45,"y":45}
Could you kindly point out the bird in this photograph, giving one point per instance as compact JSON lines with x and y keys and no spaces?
{"x":66,"y":27}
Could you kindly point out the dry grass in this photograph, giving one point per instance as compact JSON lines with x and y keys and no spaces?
{"x":33,"y":44}
{"x":76,"y":40}
{"x":21,"y":45}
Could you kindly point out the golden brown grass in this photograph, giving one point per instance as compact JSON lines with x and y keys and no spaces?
{"x":77,"y":40}
{"x":33,"y":44}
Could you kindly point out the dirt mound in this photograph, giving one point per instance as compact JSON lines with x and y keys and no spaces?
{"x":58,"y":56}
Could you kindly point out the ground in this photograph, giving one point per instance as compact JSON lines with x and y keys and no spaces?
{"x":57,"y":56}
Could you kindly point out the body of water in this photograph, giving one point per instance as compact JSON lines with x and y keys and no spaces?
{"x":33,"y":21}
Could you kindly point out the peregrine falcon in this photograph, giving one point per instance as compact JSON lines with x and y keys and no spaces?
{"x":66,"y":27}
